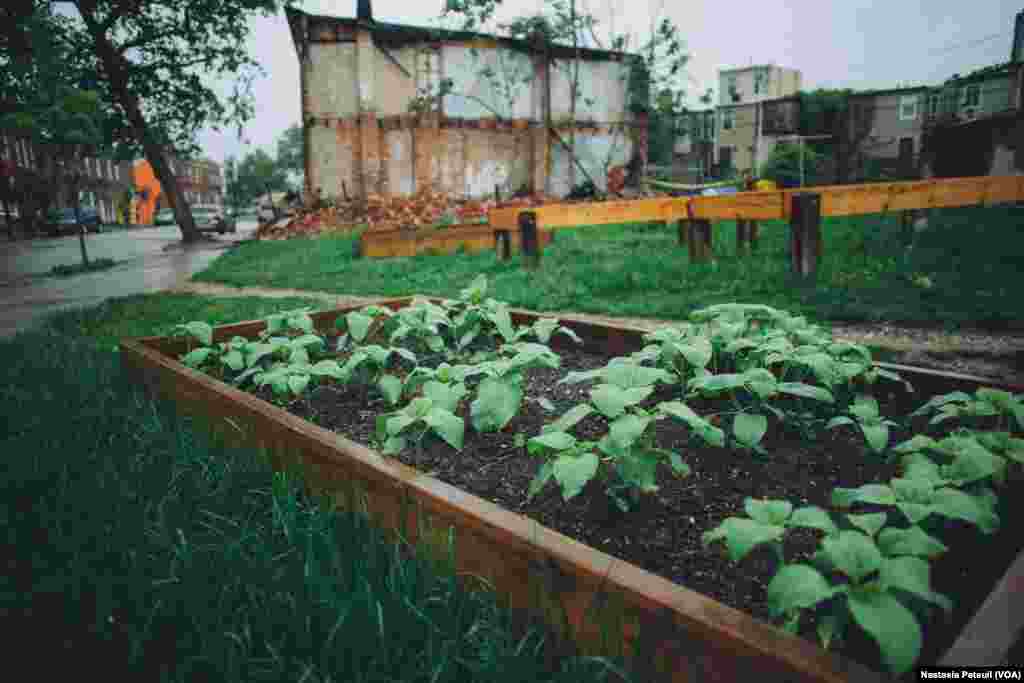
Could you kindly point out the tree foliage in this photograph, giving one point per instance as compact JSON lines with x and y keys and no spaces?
{"x":253,"y":175}
{"x":155,"y":64}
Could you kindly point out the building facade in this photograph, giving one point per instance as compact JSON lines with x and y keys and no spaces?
{"x":36,"y":180}
{"x":884,"y":133}
{"x":201,"y":181}
{"x":742,"y":143}
{"x":374,"y":121}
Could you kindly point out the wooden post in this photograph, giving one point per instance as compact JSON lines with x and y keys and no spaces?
{"x":742,"y":237}
{"x":503,"y":244}
{"x":681,"y":228}
{"x":805,"y":233}
{"x":529,"y":246}
{"x":700,"y":240}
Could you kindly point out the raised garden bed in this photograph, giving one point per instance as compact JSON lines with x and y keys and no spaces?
{"x":584,"y":563}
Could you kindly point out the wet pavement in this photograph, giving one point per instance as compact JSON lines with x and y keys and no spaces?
{"x":149,"y":260}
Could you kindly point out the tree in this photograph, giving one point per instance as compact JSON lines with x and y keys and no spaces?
{"x":291,"y":156}
{"x":155,"y":62}
{"x":783,"y":166}
{"x":658,"y":65}
{"x":254,"y":175}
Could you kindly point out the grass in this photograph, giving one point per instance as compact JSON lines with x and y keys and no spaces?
{"x":971,"y":257}
{"x":138,"y":545}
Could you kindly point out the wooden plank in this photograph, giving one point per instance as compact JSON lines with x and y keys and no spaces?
{"x":744,"y":205}
{"x":588,"y":213}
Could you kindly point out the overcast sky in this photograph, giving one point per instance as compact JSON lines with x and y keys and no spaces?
{"x":855,"y":43}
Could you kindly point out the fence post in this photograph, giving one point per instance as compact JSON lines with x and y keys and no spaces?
{"x":742,"y":237}
{"x":753,"y":232}
{"x":805,"y":233}
{"x":503,"y":244}
{"x":700,"y":240}
{"x":529,"y":245}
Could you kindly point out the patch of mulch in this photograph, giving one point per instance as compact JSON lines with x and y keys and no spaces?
{"x":663,"y":533}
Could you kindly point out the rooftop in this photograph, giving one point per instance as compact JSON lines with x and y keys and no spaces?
{"x":406,"y":33}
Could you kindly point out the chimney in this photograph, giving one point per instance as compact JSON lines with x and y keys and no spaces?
{"x":364,"y":12}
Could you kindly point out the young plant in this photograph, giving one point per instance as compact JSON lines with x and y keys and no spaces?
{"x":297,"y":321}
{"x":500,"y":393}
{"x":371,"y":363}
{"x":422,"y":416}
{"x":877,"y":572}
{"x":1007,"y":409}
{"x":424,"y":323}
{"x":864,"y":415}
{"x":292,"y":379}
{"x":364,"y":324}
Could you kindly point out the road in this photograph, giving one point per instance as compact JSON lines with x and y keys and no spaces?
{"x":149,"y":260}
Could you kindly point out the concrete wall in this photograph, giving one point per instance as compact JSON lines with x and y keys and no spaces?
{"x":395,"y":88}
{"x":779,"y":82}
{"x":331,"y":79}
{"x":603,"y":82}
{"x":596,"y":152}
{"x":740,"y":138}
{"x":464,"y":64}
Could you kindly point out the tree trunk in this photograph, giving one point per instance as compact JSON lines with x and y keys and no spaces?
{"x":117,"y":69}
{"x":76,"y":203}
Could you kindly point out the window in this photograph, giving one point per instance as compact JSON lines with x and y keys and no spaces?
{"x":908,"y":107}
{"x":728,"y":119}
{"x":972,"y":96}
{"x":760,"y":82}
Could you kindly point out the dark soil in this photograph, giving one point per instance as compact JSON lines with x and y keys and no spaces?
{"x":662,"y":534}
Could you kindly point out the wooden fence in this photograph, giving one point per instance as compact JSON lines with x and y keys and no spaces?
{"x":803,"y":208}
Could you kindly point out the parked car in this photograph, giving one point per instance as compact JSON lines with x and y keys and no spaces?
{"x":65,"y":221}
{"x":207,"y":218}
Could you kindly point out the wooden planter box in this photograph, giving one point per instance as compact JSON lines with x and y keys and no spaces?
{"x":606,"y":605}
{"x":472,"y":237}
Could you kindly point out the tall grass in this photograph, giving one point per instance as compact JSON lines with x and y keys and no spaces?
{"x":970,"y":258}
{"x":136,"y":545}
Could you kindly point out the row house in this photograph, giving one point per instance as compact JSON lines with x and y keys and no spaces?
{"x":201,"y":181}
{"x":35,"y":183}
{"x":376,"y":119}
{"x":884,"y":132}
{"x":694,"y":150}
{"x":743,"y":110}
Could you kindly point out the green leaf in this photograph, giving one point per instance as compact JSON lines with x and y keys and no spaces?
{"x":806,"y":391}
{"x":761,"y":382}
{"x":446,"y":396}
{"x":812,"y":517}
{"x":631,"y":376}
{"x":448,"y":426}
{"x":910,"y":541}
{"x":394,"y":425}
{"x":327,"y":368}
{"x":625,"y":431}
{"x":891,"y":625}
{"x":878,"y":494}
{"x":358,"y":325}
{"x":973,"y":463}
{"x":743,"y":535}
{"x":715,"y":384}
{"x":391,"y":387}
{"x":612,"y":400}
{"x":912,"y":575}
{"x":234,"y":360}
{"x":938,"y":401}
{"x":680,"y":468}
{"x":749,"y":429}
{"x":831,"y":627}
{"x":572,"y":472}
{"x":570,"y":418}
{"x":497,"y":402}
{"x":546,"y":404}
{"x":852,"y":553}
{"x":697,"y":351}
{"x":796,"y":587}
{"x":393,"y":445}
{"x":919,"y":442}
{"x":957,"y":504}
{"x":711,"y":434}
{"x":869,"y":523}
{"x":876,"y":433}
{"x":555,"y":441}
{"x":194,"y":359}
{"x":920,"y":466}
{"x":864,"y":408}
{"x":774,"y":512}
{"x":298,"y":383}
{"x":839,"y":421}
{"x":542,"y":477}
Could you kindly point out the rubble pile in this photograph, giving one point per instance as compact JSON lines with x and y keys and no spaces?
{"x":427,"y":208}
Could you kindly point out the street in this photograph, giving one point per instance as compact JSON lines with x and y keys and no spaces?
{"x":149,"y":260}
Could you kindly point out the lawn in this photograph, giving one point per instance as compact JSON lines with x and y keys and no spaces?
{"x":138,"y":545}
{"x":641,"y":271}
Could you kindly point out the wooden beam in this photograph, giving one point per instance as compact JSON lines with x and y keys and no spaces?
{"x":590,"y":213}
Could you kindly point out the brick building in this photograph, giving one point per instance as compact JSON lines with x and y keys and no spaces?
{"x":373,"y":123}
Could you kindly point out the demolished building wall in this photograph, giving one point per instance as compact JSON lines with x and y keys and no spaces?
{"x":363,"y":137}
